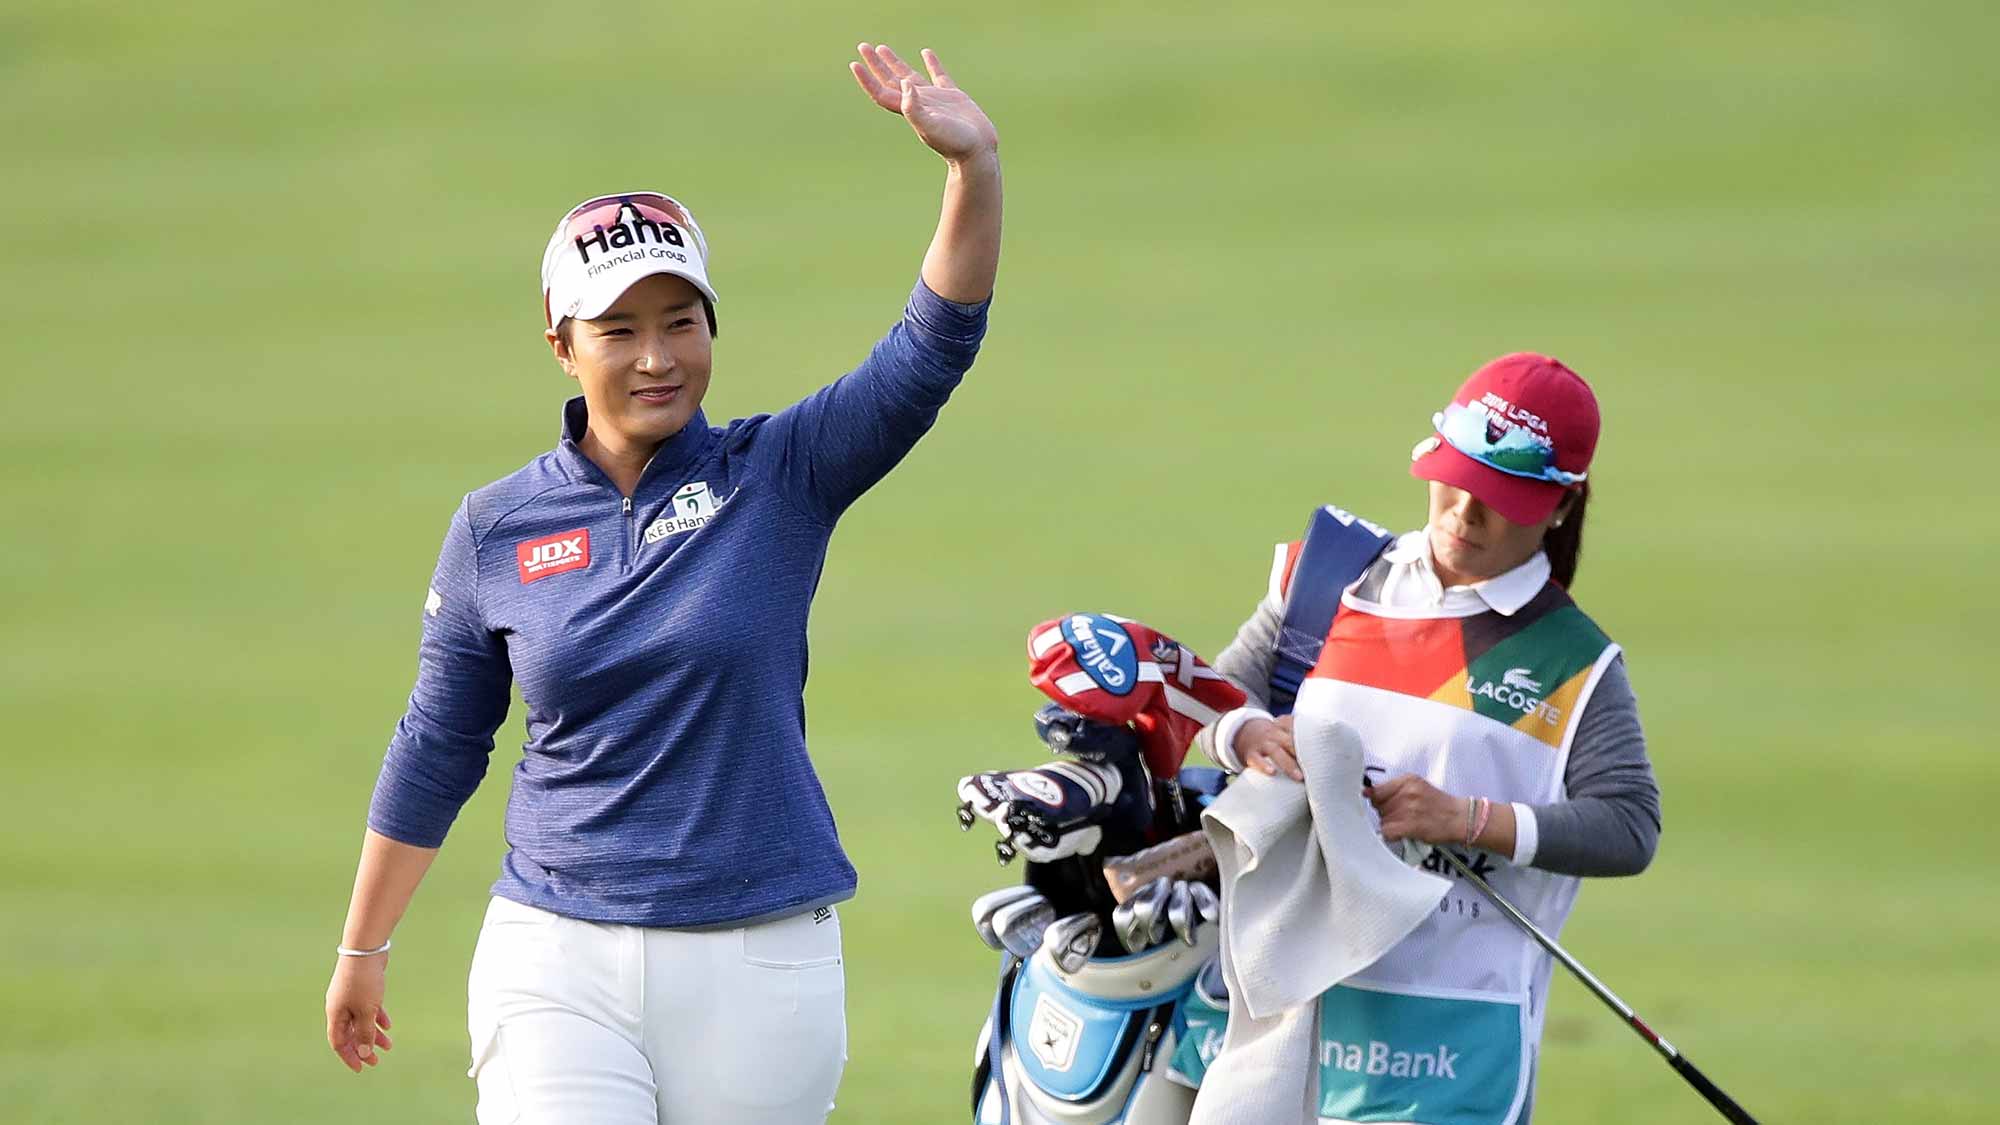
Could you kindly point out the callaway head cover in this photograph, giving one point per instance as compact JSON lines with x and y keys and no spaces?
{"x":1118,"y":671}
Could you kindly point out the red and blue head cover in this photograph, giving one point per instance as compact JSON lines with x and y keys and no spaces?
{"x":1116,"y":670}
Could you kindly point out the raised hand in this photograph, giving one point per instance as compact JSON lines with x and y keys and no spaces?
{"x":942,"y":115}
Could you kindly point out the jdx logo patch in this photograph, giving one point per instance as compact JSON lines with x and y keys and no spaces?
{"x":553,"y":554}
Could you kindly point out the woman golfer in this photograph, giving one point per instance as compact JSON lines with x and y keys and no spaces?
{"x":662,"y":944}
{"x":1497,"y":720}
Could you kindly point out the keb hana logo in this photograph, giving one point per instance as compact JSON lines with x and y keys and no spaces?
{"x":553,"y":554}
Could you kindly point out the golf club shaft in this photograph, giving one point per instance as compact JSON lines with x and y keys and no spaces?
{"x":1722,"y":1102}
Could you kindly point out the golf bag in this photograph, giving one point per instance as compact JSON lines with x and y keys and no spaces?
{"x":1099,"y":1015}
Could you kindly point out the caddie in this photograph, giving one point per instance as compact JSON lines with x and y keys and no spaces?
{"x":1497,"y":721}
{"x":662,"y":944}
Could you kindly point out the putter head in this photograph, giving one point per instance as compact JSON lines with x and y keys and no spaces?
{"x":1071,"y":941}
{"x":1020,"y":925}
{"x":988,"y":904}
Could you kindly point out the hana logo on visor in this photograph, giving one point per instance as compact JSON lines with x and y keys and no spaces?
{"x":1103,"y":650}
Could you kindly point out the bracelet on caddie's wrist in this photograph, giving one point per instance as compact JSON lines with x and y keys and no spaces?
{"x":1484,"y":810}
{"x":346,"y":952}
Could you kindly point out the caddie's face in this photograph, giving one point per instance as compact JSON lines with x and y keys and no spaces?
{"x":1471,"y":542}
{"x":644,"y":364}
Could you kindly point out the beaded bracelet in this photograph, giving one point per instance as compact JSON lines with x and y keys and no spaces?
{"x":1476,"y":814}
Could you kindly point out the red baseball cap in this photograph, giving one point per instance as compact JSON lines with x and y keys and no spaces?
{"x":1518,"y":435}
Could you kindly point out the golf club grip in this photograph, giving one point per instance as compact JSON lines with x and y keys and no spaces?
{"x":1186,"y":856}
{"x":1712,"y":1092}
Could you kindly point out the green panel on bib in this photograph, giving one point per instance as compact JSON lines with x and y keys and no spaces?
{"x":1522,"y":674}
{"x":1385,"y":1057}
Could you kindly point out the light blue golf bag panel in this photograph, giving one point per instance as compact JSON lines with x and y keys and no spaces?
{"x":1069,"y":1044}
{"x":1338,"y":547}
{"x":1443,"y":1060}
{"x":1069,"y":1052}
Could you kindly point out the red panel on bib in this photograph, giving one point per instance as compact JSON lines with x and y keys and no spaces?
{"x":1414,"y":657}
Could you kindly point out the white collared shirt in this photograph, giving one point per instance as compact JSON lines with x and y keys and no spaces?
{"x":1413,"y":583}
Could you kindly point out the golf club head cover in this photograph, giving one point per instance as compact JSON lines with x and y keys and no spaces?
{"x":1066,"y":732}
{"x":1057,"y":810}
{"x":1123,"y":673}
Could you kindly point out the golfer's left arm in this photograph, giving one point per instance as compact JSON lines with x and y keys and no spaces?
{"x":836,"y":443}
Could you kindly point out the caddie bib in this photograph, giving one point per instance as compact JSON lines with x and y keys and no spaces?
{"x":1443,"y":1028}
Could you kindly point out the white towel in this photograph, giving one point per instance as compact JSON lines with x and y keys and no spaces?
{"x":1310,"y":895}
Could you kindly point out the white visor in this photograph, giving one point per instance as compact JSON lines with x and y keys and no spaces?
{"x":605,"y":245}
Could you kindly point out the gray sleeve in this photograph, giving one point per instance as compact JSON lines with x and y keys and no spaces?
{"x":1610,"y":823}
{"x":1247,"y":661}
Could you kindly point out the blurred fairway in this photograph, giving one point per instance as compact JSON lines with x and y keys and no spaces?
{"x":268,"y":278}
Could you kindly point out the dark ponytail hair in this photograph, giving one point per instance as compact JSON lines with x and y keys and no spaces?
{"x":1564,"y":541}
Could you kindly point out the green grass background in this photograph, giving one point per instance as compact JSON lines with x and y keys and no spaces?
{"x":267,"y":274}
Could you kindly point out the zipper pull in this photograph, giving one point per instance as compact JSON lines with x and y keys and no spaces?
{"x":628,"y":507}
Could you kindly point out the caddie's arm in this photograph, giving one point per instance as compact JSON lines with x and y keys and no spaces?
{"x":964,"y":254}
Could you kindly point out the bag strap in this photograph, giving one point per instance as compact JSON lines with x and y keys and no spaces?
{"x":1339,"y":547}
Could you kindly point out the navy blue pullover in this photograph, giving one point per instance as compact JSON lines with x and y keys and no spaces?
{"x":660,"y":645}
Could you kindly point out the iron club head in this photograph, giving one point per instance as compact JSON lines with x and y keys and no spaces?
{"x":1206,"y":902}
{"x":986,"y":905}
{"x":1180,"y":912}
{"x":1125,"y":926}
{"x":1072,"y":940}
{"x":1149,"y":922}
{"x":1020,"y":925}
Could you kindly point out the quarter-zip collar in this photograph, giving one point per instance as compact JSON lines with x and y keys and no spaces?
{"x":676,"y":455}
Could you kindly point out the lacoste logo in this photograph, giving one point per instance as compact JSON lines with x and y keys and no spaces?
{"x":553,"y":554}
{"x":1518,"y":690}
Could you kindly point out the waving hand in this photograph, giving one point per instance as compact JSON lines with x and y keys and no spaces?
{"x":943,"y":116}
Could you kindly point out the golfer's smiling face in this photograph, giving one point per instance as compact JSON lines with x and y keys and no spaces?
{"x":644,"y":364}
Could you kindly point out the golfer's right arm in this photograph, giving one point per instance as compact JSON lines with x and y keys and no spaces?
{"x":434,"y":763}
{"x":356,"y":1021}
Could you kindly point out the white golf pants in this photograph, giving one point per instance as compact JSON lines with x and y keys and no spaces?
{"x":581,"y":1023}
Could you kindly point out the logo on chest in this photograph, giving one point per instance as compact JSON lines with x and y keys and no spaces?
{"x":553,"y":554}
{"x":693,"y":506}
{"x":1517,"y":688}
